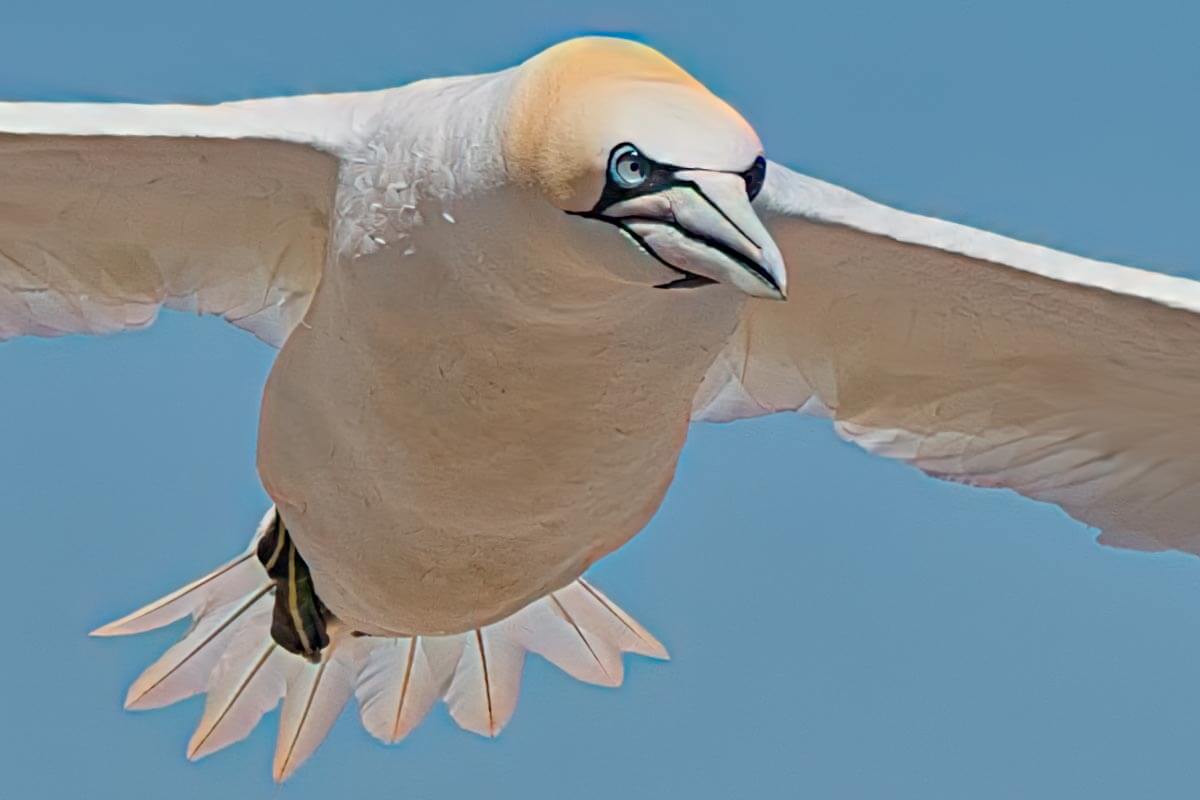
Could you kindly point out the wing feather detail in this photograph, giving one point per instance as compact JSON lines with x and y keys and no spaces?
{"x":979,"y":359}
{"x":109,"y":212}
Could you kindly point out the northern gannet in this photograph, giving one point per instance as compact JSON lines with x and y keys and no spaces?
{"x":500,"y":300}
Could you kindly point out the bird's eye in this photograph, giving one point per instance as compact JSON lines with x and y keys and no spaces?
{"x":628,"y":168}
{"x":755,"y":176}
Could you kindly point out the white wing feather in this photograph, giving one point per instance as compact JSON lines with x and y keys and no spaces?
{"x":979,"y":359}
{"x":110,"y":211}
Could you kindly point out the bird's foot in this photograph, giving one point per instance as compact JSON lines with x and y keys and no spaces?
{"x":298,"y":622}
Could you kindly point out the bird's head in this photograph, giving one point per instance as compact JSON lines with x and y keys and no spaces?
{"x":612,"y":132}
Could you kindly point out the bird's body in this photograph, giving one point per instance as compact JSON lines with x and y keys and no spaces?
{"x":435,"y":476}
{"x":501,"y":299}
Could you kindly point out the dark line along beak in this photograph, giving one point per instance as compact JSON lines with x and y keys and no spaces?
{"x":700,"y":223}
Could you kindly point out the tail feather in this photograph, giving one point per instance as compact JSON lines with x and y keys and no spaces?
{"x":595,"y":612}
{"x":315,"y":697}
{"x":229,"y":653}
{"x":223,"y":585}
{"x":234,"y":579}
{"x":483,"y":694}
{"x":401,"y":680}
{"x":248,"y":681}
{"x":184,"y":669}
{"x":550,"y":630}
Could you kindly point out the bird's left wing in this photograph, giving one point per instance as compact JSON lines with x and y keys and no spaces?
{"x":979,"y":359}
{"x":110,"y":211}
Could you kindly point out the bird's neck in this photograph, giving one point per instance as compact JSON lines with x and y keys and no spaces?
{"x":419,"y":148}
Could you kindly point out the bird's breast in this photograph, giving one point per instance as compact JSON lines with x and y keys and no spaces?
{"x":445,"y":452}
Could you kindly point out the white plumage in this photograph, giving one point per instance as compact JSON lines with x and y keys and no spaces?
{"x":500,"y":301}
{"x":184,"y":669}
{"x":247,"y":682}
{"x":228,"y":653}
{"x":483,"y":693}
{"x":401,"y":680}
{"x":983,"y":360}
{"x":316,"y":695}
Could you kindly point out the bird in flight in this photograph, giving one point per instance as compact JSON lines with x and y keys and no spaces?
{"x":499,"y":302}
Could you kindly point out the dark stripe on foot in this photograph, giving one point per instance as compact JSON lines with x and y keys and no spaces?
{"x":298,"y":618}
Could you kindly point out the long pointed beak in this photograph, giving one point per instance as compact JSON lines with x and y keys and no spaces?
{"x":704,"y":224}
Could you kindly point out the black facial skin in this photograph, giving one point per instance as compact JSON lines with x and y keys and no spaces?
{"x":755,"y":177}
{"x":660,"y":177}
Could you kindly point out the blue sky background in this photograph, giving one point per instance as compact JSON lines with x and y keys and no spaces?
{"x":841,"y":627}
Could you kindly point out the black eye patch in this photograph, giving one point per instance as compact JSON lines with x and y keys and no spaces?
{"x":661,"y":176}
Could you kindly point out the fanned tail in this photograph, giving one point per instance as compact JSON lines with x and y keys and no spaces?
{"x":229,"y":654}
{"x":478,"y":673}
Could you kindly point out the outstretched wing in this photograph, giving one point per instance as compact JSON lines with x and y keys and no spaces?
{"x":109,"y":212}
{"x":979,"y":359}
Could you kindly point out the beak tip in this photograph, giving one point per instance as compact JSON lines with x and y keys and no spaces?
{"x":778,"y":290}
{"x":775,"y":266}
{"x":763,"y":290}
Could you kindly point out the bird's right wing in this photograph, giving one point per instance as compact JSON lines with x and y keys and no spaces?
{"x":979,"y":359}
{"x":109,"y":212}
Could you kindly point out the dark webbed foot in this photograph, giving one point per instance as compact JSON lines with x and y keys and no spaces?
{"x":298,"y":622}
